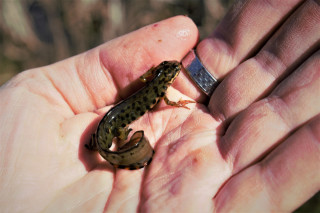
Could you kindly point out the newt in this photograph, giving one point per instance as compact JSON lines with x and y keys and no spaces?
{"x":137,"y":152}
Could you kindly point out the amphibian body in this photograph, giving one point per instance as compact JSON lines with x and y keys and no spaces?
{"x":138,"y":152}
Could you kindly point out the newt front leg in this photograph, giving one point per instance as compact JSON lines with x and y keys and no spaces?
{"x":180,"y":103}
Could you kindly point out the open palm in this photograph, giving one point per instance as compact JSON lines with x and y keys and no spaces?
{"x":49,"y":113}
{"x":49,"y":117}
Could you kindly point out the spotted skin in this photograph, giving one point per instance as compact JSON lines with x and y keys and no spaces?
{"x":138,"y":152}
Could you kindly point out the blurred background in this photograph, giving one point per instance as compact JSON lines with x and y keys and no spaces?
{"x":36,"y":33}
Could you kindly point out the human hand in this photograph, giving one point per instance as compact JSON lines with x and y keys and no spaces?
{"x":41,"y":141}
{"x":48,"y":114}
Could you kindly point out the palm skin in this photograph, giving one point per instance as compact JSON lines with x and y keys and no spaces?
{"x":44,"y":153}
{"x":244,"y":160}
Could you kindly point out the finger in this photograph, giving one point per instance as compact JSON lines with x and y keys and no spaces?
{"x":244,"y":29}
{"x":247,"y":25}
{"x":93,"y":79}
{"x":281,"y":182}
{"x":296,"y":39}
{"x":169,"y":40}
{"x":266,"y":123}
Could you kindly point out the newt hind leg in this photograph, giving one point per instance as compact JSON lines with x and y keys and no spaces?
{"x":135,"y":138}
{"x":123,"y":132}
{"x":92,"y":144}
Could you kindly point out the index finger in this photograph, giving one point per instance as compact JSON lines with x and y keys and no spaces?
{"x":104,"y":74}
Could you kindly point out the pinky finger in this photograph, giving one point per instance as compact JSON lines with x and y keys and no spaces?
{"x":281,"y":182}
